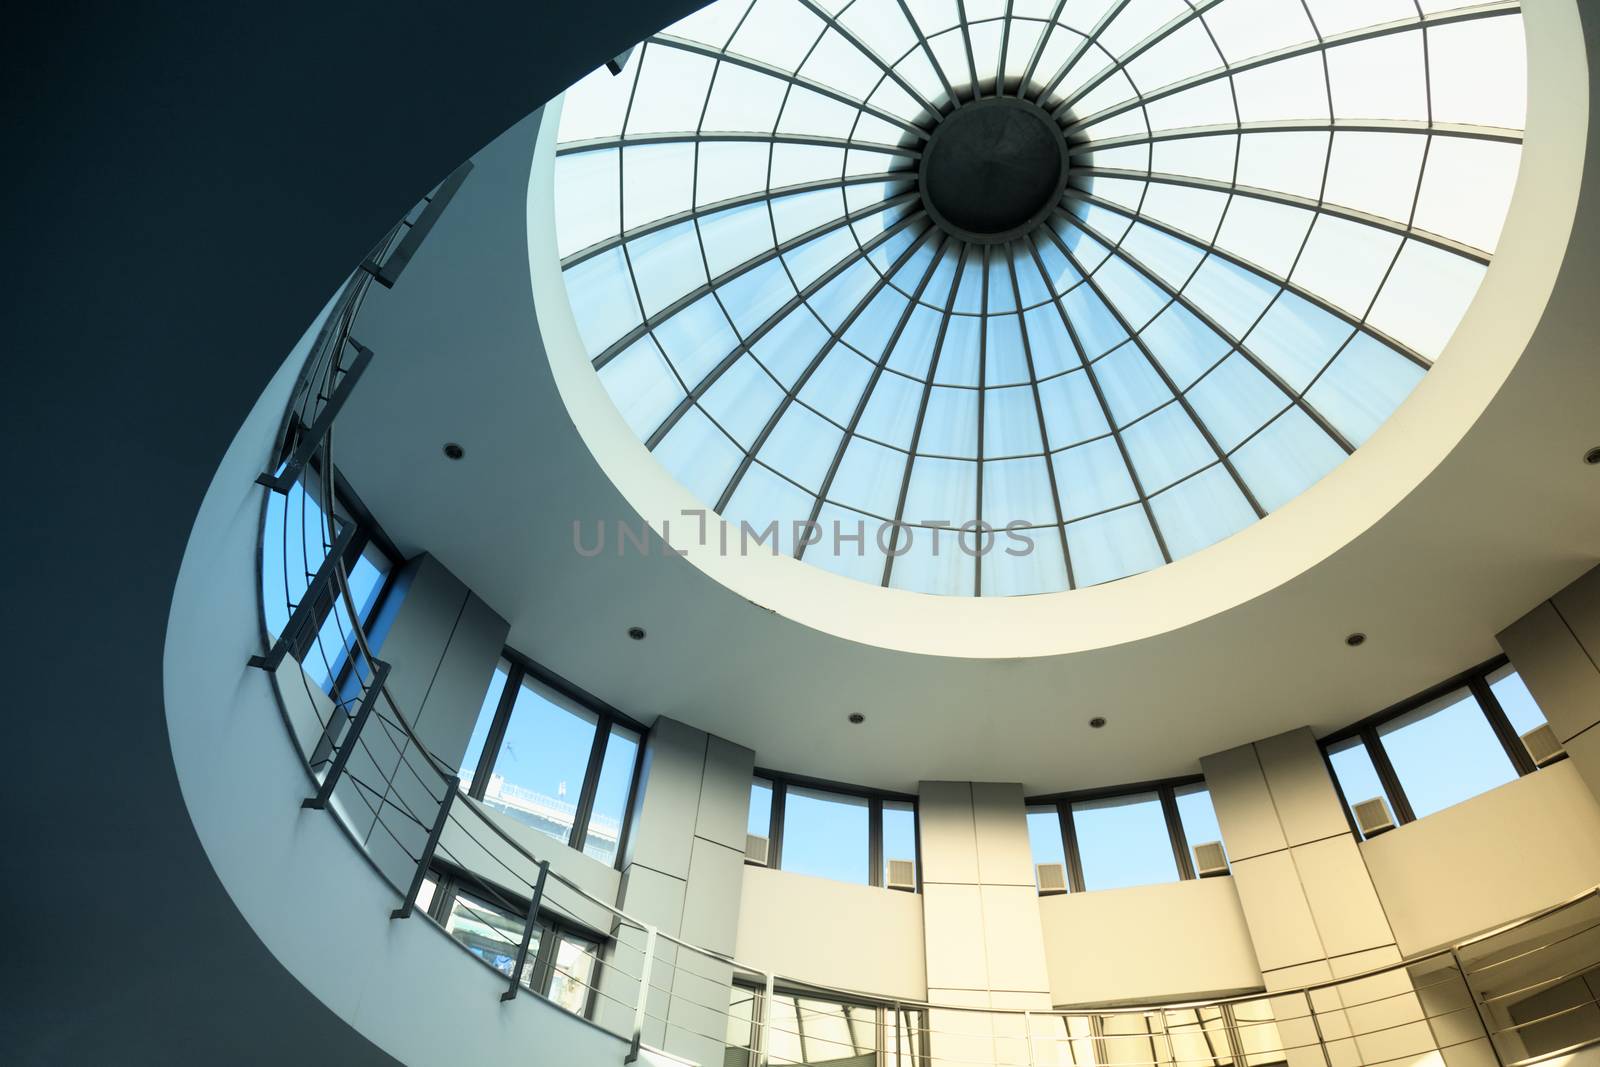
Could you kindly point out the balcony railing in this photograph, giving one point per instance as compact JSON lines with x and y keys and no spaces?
{"x":1518,"y":995}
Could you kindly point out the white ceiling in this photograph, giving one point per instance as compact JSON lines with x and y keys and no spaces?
{"x":1506,"y":517}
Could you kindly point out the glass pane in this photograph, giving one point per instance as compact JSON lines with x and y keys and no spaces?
{"x":604,"y":833}
{"x":759,"y":823}
{"x":740,"y":1040}
{"x":490,"y":933}
{"x":480,"y":731}
{"x":1445,"y":752}
{"x":825,"y":834}
{"x":571,"y":973}
{"x":1358,"y":777}
{"x":1044,"y":837}
{"x":539,"y":768}
{"x":899,"y":834}
{"x":1197,"y":815}
{"x":1515,"y":700}
{"x":1123,"y":841}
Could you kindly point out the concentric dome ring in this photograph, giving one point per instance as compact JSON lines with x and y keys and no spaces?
{"x":1268,"y":220}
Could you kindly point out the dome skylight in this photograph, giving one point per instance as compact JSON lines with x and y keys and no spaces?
{"x":1123,"y":276}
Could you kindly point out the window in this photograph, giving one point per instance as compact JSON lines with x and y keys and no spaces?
{"x":295,"y":543}
{"x":1123,"y":841}
{"x":551,"y":761}
{"x":806,"y":1030}
{"x":1116,"y":840}
{"x":1439,"y":748}
{"x":562,"y":960}
{"x":832,"y":832}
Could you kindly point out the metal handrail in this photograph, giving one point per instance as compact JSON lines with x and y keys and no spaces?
{"x":317,"y":380}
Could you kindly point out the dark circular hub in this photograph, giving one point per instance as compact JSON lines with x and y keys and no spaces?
{"x":993,"y":169}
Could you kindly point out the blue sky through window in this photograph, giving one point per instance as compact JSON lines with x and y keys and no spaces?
{"x":1123,"y":841}
{"x":1445,"y":752}
{"x":825,"y":834}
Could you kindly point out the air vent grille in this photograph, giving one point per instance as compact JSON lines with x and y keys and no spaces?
{"x":903,"y":875}
{"x":1052,"y":878}
{"x":1373,"y":817}
{"x":1210,"y":860}
{"x":755,"y":849}
{"x":1542,"y":745}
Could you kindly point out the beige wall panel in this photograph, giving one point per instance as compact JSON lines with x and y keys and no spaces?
{"x":725,"y":793}
{"x":1579,"y":605}
{"x":711,"y":903}
{"x":1559,"y":674}
{"x":957,"y":956}
{"x":948,"y":838}
{"x":1173,"y":941}
{"x":1343,"y":903}
{"x":960,"y":1038}
{"x":1276,"y":910}
{"x":1001,"y":825}
{"x":1302,"y":792}
{"x":1585,"y":752}
{"x":1488,"y":860}
{"x":1243,"y":802}
{"x":829,"y":933}
{"x":1013,"y":938}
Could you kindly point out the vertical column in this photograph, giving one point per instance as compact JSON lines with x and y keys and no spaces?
{"x":682,"y":872}
{"x":1556,"y":649}
{"x":1312,"y":910}
{"x":442,"y":643}
{"x":984,"y":940}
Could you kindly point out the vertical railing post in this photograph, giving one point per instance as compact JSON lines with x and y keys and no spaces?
{"x":300,"y":619}
{"x":766,"y":1023}
{"x":388,"y":272}
{"x":1477,"y":1005}
{"x":1316,"y":1026}
{"x":637,"y":1039}
{"x":1027,"y":1034}
{"x":426,"y":859}
{"x":341,"y":756}
{"x":897,"y":1048}
{"x":311,"y":440}
{"x":527,"y":931}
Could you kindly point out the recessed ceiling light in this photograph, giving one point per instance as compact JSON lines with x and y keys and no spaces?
{"x":1355,"y":640}
{"x":1097,"y":722}
{"x":636,"y":632}
{"x":453,"y":450}
{"x":1592,"y":457}
{"x":857,"y":718}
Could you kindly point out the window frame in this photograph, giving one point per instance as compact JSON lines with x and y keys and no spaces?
{"x":883,"y":1022}
{"x":1165,"y":790}
{"x":1475,"y":680}
{"x":522,"y":668}
{"x":451,"y":880}
{"x":875,"y":799}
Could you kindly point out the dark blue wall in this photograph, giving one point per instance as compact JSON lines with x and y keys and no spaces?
{"x":185,"y":184}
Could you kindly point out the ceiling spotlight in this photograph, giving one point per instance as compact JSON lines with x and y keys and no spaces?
{"x":1356,"y":640}
{"x":636,"y":632}
{"x":1097,"y":722}
{"x":857,"y":718}
{"x":453,"y":450}
{"x":1592,"y":457}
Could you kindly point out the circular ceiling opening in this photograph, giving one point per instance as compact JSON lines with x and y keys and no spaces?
{"x":1027,"y":302}
{"x":993,"y":169}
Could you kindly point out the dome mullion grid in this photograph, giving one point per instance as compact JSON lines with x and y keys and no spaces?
{"x":1038,"y":49}
{"x":636,"y":140}
{"x":1100,"y":398}
{"x":820,"y":88}
{"x":747,"y":342}
{"x":1080,"y":50}
{"x":879,"y":364}
{"x":871,"y":53}
{"x":1412,"y":126}
{"x":966,"y":40}
{"x":922,"y":407}
{"x":651,"y":322}
{"x":1161,"y":371}
{"x":833,"y":339}
{"x":1322,"y":44}
{"x":1120,"y":63}
{"x":666,"y":222}
{"x":1038,"y":409}
{"x":927,"y":50}
{"x":983,"y":405}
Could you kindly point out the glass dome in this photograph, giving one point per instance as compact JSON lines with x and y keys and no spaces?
{"x":1017,"y":296}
